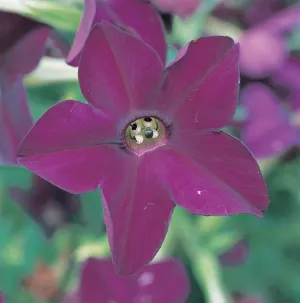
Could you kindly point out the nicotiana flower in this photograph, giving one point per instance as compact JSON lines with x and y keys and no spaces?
{"x":150,"y":138}
{"x":135,"y":16}
{"x":181,"y":8}
{"x":22,"y":44}
{"x":257,"y":60}
{"x":270,"y":129}
{"x":162,"y":282}
{"x":48,"y":205}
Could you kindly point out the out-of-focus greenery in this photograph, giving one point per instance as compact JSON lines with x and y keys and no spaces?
{"x":272,"y":268}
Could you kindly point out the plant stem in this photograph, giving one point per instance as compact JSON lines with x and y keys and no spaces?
{"x":205,"y":262}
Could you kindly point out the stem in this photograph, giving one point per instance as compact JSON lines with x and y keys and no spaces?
{"x":207,"y":268}
{"x":205,"y":262}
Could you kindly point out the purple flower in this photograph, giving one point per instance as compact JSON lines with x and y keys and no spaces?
{"x":2,"y":299}
{"x":150,"y":138}
{"x":181,"y":8}
{"x":163,"y":282}
{"x":268,"y":130}
{"x":248,"y":299}
{"x":22,"y":43}
{"x":289,"y":74}
{"x":135,"y":16}
{"x":236,"y":255}
{"x":257,"y":60}
{"x":50,"y":206}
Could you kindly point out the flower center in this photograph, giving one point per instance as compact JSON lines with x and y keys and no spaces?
{"x":145,"y":134}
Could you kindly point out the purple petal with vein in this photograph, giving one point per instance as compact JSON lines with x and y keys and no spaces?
{"x":198,"y":78}
{"x":134,"y":16}
{"x":133,"y":204}
{"x":212,"y":174}
{"x":76,"y":159}
{"x":130,"y":82}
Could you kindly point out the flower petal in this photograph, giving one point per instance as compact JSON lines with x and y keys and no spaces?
{"x":134,"y":16}
{"x":2,"y":300}
{"x":144,"y":21}
{"x":201,"y":87}
{"x":136,"y":213}
{"x":162,"y":282}
{"x":213,"y":174}
{"x":284,"y":21}
{"x":289,"y":74}
{"x":267,"y":131}
{"x":99,"y":283}
{"x":15,"y":121}
{"x":25,"y":55}
{"x":118,"y":71}
{"x":258,"y":61}
{"x":73,"y":146}
{"x":83,"y":31}
{"x":13,"y":28}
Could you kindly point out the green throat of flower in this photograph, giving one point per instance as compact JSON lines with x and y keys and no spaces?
{"x":145,"y":134}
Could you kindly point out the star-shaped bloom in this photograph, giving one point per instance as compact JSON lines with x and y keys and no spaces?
{"x":135,"y":16}
{"x":269,"y":129}
{"x":181,"y":8}
{"x":22,"y":44}
{"x":150,"y":138}
{"x":163,"y":282}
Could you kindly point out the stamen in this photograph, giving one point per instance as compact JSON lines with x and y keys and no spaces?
{"x":155,"y":133}
{"x":147,"y":122}
{"x":139,"y":139}
{"x":144,"y":134}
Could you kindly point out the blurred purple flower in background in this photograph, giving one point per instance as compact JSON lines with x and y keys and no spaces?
{"x":163,"y":282}
{"x":270,"y":129}
{"x":236,"y":255}
{"x":264,"y":46}
{"x":22,"y":44}
{"x":149,"y":138}
{"x":289,"y":74}
{"x":2,"y":300}
{"x":51,"y":207}
{"x":181,"y":8}
{"x":248,"y":299}
{"x":135,"y":16}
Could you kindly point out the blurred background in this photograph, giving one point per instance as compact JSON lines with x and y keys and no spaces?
{"x":45,"y":233}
